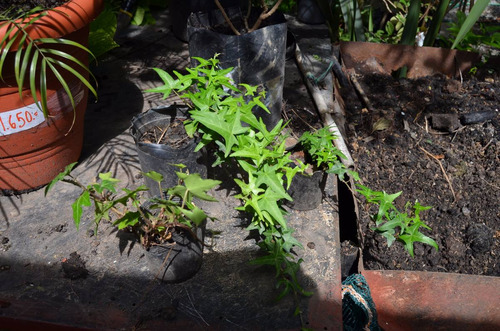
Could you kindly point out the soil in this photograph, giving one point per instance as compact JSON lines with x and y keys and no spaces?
{"x":415,"y":140}
{"x":74,"y":267}
{"x":26,"y":5}
{"x":174,"y":135}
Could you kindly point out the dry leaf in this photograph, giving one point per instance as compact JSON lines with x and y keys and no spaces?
{"x":381,"y":125}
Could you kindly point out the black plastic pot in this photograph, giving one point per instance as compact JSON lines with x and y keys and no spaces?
{"x":159,"y":157}
{"x":180,"y":11}
{"x":291,"y":45}
{"x":178,"y":259}
{"x":258,"y":58}
{"x":309,"y":12}
{"x":307,"y":190}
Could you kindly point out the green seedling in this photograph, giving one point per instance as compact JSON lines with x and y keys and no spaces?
{"x":319,"y":145}
{"x":389,"y":219}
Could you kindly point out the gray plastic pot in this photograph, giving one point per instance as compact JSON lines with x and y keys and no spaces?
{"x":159,"y":157}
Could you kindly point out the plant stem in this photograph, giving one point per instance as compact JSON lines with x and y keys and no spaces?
{"x":236,"y":32}
{"x":264,"y":15}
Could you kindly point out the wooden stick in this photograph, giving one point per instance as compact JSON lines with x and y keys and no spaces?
{"x":324,"y":111}
{"x":361,"y":92}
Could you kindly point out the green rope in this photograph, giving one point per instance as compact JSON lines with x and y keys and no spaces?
{"x":315,"y":80}
{"x":358,"y":308}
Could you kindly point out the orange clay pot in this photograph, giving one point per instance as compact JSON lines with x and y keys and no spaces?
{"x":33,"y":150}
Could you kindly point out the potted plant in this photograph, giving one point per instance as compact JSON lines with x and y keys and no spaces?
{"x":262,"y":168}
{"x":161,"y":142}
{"x":169,"y":226}
{"x":252,"y":41}
{"x":43,"y":91}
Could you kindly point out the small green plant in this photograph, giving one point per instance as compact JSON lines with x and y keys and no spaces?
{"x":319,"y":145}
{"x":152,"y":219}
{"x":388,"y":219}
{"x":35,"y":58}
{"x":221,"y":114}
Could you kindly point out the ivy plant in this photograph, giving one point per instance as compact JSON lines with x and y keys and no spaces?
{"x":164,"y":214}
{"x":389,"y":219}
{"x":319,"y":145}
{"x":221,"y":113}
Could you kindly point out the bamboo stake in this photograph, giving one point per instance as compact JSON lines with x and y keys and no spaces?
{"x":324,"y":111}
{"x":360,"y":91}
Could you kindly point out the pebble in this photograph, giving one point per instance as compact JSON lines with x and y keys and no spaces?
{"x":465,"y":211}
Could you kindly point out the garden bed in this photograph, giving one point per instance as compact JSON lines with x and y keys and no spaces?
{"x":414,"y":139}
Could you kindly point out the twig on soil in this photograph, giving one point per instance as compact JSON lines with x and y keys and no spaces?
{"x":444,"y":172}
{"x":486,"y":146}
{"x":494,"y":186}
{"x":361,"y":92}
{"x":194,"y":309}
{"x":324,"y":111}
{"x":456,"y":132}
{"x":163,"y":133}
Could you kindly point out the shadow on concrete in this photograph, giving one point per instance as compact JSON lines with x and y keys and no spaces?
{"x":226,"y":294}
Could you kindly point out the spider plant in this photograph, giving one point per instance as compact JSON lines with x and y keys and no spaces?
{"x":35,"y":58}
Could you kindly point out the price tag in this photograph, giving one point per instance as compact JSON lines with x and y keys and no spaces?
{"x":20,"y":119}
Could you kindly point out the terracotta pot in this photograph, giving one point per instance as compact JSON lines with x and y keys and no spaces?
{"x":34,"y":150}
{"x":421,"y":61}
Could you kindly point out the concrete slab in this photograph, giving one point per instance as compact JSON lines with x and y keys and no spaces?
{"x":120,"y":292}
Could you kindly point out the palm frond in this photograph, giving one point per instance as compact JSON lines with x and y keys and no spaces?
{"x":33,"y":58}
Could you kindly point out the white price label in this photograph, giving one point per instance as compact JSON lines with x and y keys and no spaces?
{"x":20,"y":119}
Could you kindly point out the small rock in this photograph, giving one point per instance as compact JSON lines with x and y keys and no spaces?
{"x":74,"y":267}
{"x":452,"y":86}
{"x":290,"y":142}
{"x":445,"y":122}
{"x":418,"y":250}
{"x":480,"y":238}
{"x":60,"y":227}
{"x":465,"y":211}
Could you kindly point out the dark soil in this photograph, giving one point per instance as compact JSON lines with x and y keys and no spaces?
{"x":174,"y":135}
{"x":74,"y":267}
{"x":392,"y":144}
{"x":26,"y":5}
